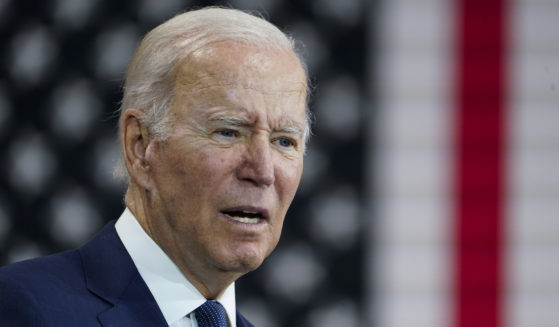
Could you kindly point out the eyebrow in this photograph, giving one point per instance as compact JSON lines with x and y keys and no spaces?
{"x":292,"y":130}
{"x":232,"y":121}
{"x":240,"y":122}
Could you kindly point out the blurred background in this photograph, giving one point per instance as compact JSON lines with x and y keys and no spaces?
{"x":430,"y":195}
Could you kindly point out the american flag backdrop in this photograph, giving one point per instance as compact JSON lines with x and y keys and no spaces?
{"x":430,"y":196}
{"x":465,"y":156}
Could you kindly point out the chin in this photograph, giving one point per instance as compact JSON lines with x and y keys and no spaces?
{"x":243,"y":261}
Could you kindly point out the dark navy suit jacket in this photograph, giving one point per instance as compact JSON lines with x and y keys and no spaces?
{"x":95,"y":285}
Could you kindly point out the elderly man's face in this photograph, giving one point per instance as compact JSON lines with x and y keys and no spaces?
{"x":225,"y":177}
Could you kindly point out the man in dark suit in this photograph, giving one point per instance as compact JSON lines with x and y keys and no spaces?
{"x":213,"y":127}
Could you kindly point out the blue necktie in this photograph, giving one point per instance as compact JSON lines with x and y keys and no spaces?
{"x":211,"y":314}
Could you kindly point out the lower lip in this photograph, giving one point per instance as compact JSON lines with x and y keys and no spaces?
{"x":247,"y":224}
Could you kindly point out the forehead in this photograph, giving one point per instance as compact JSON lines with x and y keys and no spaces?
{"x":266,"y":86}
{"x":239,"y":73}
{"x":248,"y":66}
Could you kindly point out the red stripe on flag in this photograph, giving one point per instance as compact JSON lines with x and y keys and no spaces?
{"x":479,"y":173}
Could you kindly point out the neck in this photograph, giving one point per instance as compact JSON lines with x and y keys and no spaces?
{"x":209,"y":280}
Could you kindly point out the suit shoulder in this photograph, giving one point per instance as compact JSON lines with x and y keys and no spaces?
{"x":32,"y":292}
{"x":57,"y":270}
{"x":17,"y":306}
{"x":27,"y":287}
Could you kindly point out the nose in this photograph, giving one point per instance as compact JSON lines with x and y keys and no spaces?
{"x":257,"y":165}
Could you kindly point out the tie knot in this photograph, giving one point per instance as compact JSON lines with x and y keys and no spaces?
{"x":211,"y":314}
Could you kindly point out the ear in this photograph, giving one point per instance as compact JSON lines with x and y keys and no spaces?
{"x":135,"y":141}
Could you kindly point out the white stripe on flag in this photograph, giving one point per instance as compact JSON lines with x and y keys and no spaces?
{"x":411,"y":272}
{"x":533,"y":207}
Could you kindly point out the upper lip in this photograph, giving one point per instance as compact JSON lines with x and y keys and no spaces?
{"x":263,"y":212}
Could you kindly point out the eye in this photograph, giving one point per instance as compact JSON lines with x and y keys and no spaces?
{"x":227,"y":133}
{"x":285,"y":142}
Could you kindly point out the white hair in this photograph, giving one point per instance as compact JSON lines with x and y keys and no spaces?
{"x":149,"y":84}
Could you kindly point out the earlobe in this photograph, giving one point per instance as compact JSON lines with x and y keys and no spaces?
{"x":135,"y":141}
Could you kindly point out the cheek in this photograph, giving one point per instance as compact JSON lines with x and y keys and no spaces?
{"x":182,"y":170}
{"x":211,"y":168}
{"x":289,"y":176}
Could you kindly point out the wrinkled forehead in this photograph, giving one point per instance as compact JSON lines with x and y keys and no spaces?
{"x":232,"y":63}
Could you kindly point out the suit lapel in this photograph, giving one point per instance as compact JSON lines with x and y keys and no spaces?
{"x":135,"y":308}
{"x":242,"y":321}
{"x":111,"y":274}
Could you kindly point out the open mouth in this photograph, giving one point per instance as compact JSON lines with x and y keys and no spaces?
{"x":245,"y":216}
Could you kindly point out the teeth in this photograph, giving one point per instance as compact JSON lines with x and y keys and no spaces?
{"x":251,"y":212}
{"x":244,"y":219}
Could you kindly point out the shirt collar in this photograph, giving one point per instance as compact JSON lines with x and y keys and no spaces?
{"x":174,"y":294}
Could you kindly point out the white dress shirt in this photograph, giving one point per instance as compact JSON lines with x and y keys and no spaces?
{"x":176,"y":297}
